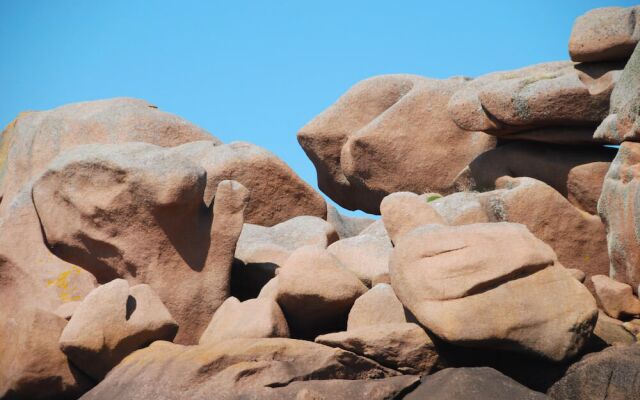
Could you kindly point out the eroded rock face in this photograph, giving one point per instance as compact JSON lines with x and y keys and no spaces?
{"x":232,"y":369}
{"x":254,"y":318}
{"x":623,"y":122}
{"x":316,"y":292}
{"x":34,"y":139}
{"x":112,"y":322}
{"x":276,"y":192}
{"x":372,"y":141}
{"x":619,"y":212}
{"x":548,"y":95}
{"x":135,"y":211}
{"x":472,"y":384}
{"x":602,"y":34}
{"x":610,"y":374}
{"x":501,"y":277}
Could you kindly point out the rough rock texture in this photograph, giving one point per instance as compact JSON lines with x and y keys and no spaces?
{"x":402,"y":346}
{"x":316,"y":292}
{"x":499,"y":276}
{"x":404,"y":211}
{"x":366,"y":256}
{"x":113,"y":321}
{"x":135,"y":211}
{"x":613,"y":374}
{"x":378,"y":306}
{"x":276,"y":193}
{"x":545,"y":95}
{"x":372,"y":141}
{"x":233,"y":369}
{"x":33,"y":139}
{"x":615,"y":298}
{"x":608,"y":332}
{"x":255,"y":318}
{"x":471,"y":384}
{"x":619,"y":211}
{"x":603,"y":34}
{"x":623,"y":122}
{"x":346,"y":226}
{"x":575,"y":172}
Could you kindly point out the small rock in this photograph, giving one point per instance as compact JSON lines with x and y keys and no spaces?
{"x":615,"y":298}
{"x":378,"y":306}
{"x":404,"y":211}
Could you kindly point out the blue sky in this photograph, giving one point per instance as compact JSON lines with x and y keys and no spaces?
{"x":257,"y":71}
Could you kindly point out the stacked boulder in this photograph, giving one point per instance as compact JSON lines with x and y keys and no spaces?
{"x":140,"y":257}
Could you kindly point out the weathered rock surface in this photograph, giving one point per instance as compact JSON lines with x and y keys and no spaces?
{"x":623,"y":122}
{"x":548,"y":95}
{"x":316,"y":292}
{"x":372,"y":141}
{"x":620,"y":214}
{"x":608,"y":332}
{"x":34,"y":139}
{"x":346,"y":226}
{"x":402,"y":346}
{"x":276,"y":193}
{"x":615,"y":298}
{"x":233,"y":369}
{"x":575,"y":172}
{"x":499,"y":276}
{"x":471,"y":384}
{"x":611,"y":374}
{"x":112,"y":322}
{"x":255,"y":318}
{"x":403,"y":211}
{"x":603,"y":34}
{"x":378,"y":306}
{"x":135,"y":211}
{"x":366,"y":256}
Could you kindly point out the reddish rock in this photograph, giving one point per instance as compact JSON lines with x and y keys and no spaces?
{"x":404,"y":211}
{"x":615,"y":298}
{"x":367,"y":256}
{"x":374,"y":140}
{"x":603,"y":34}
{"x":378,"y":306}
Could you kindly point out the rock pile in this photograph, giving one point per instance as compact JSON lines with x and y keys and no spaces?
{"x":141,"y":258}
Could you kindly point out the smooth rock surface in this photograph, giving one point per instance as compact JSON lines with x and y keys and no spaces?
{"x":378,"y":306}
{"x":403,"y":211}
{"x":366,"y":256}
{"x":615,"y":298}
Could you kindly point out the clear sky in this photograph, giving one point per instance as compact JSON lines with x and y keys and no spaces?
{"x":257,"y":71}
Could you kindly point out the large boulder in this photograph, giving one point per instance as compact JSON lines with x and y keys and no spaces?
{"x":367,"y":256}
{"x":492,"y":285}
{"x":549,"y":95}
{"x":136,"y":211}
{"x":276,"y":192}
{"x":33,"y":139}
{"x":234,"y":369}
{"x":254,"y":318}
{"x":386,"y":134}
{"x":112,"y":322}
{"x":615,"y":298}
{"x":623,"y":122}
{"x":603,"y":34}
{"x":471,"y":384}
{"x":402,"y":346}
{"x":577,"y":173}
{"x":316,"y":292}
{"x":611,"y":374}
{"x":618,"y":207}
{"x":404,"y":211}
{"x":378,"y":306}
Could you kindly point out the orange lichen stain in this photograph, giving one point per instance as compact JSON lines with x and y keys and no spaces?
{"x":63,"y":283}
{"x":587,"y":258}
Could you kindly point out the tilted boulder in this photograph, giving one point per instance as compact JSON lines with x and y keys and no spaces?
{"x":623,"y":122}
{"x":34,"y":139}
{"x":367,"y":256}
{"x":276,"y":192}
{"x":618,"y":207}
{"x":481,"y":383}
{"x":402,"y":346}
{"x":135,"y":211}
{"x":387,"y":134}
{"x":316,"y":292}
{"x":492,"y":285}
{"x":548,"y":95}
{"x":254,"y":318}
{"x":602,"y":34}
{"x":610,"y":374}
{"x":378,"y":306}
{"x":233,"y":369}
{"x":112,"y":322}
{"x":615,"y":298}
